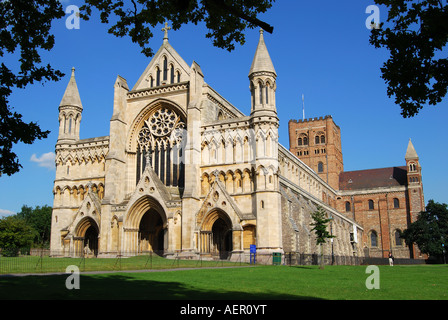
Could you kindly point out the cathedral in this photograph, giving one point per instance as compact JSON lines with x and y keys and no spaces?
{"x":186,"y":174}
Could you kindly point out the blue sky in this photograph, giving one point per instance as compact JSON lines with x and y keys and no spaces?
{"x":319,"y":48}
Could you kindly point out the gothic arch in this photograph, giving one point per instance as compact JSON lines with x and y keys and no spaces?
{"x":144,"y":115}
{"x":145,"y":227}
{"x":87,"y":236}
{"x":139,"y":208}
{"x":216,"y":235}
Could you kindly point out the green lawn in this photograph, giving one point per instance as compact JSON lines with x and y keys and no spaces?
{"x":418,"y":282}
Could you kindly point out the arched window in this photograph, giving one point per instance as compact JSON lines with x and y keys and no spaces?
{"x":260,"y":91}
{"x":159,"y":145}
{"x":172,"y":74}
{"x":322,"y":139}
{"x":157,"y":76}
{"x":299,"y":141}
{"x":347,"y":206}
{"x":165,"y":69}
{"x":317,"y":140}
{"x":320,"y":167}
{"x":178,"y":76}
{"x":398,"y":239}
{"x":262,"y":204}
{"x":373,"y":239}
{"x":371,"y":206}
{"x":267,"y":93}
{"x":305,"y":141}
{"x":396,"y":203}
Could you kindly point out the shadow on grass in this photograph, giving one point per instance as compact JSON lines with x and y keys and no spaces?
{"x":120,"y":287}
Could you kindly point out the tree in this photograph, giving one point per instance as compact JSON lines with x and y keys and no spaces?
{"x":39,"y":219}
{"x":430,"y":230}
{"x":15,"y":233}
{"x":320,"y":228}
{"x":417,"y":70}
{"x":226,"y":20}
{"x":25,"y":27}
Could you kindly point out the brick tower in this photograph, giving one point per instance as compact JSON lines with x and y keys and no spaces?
{"x":317,"y":142}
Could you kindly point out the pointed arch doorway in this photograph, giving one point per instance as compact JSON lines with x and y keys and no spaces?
{"x":151,"y":233}
{"x":216,"y":236}
{"x":87,"y":234}
{"x":145,"y":228}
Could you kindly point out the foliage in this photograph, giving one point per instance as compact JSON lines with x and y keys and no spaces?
{"x":320,"y":228}
{"x":417,"y":70}
{"x":25,"y":27}
{"x":15,"y":233}
{"x":226,"y":20}
{"x":320,"y":225}
{"x":430,"y":230}
{"x":39,"y":219}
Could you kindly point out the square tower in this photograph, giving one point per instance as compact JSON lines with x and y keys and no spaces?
{"x":317,"y":142}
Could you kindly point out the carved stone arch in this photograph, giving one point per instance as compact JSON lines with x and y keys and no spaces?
{"x":145,"y":113}
{"x":86,"y":233}
{"x":205,"y":183}
{"x":139,"y":208}
{"x":145,"y":226}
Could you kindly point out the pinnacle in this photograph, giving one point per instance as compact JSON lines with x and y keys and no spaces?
{"x":262,"y":61}
{"x":71,"y":96}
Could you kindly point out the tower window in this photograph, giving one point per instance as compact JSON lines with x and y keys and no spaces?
{"x":371,"y":206}
{"x":396,"y":203}
{"x":320,"y":167}
{"x":260,"y":90}
{"x":373,"y":239}
{"x":299,"y":141}
{"x":267,"y":93}
{"x":347,"y":206}
{"x":322,"y":139}
{"x":305,"y":141}
{"x":398,"y":240}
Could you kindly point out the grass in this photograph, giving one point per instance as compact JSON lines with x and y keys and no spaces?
{"x":420,"y":282}
{"x":45,"y":264}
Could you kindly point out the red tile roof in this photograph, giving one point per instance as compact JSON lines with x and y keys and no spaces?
{"x":373,"y":178}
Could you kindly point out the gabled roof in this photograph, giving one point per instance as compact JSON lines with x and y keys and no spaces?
{"x":373,"y":178}
{"x":172,"y":56}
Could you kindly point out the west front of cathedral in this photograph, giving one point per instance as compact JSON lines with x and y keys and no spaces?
{"x":184,"y":173}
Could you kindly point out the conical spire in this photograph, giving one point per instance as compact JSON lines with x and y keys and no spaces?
{"x":262,"y":61}
{"x":71,"y":96}
{"x":410,"y":152}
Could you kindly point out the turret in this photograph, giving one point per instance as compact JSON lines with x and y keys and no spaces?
{"x":415,"y":185}
{"x":70,"y":110}
{"x":262,"y":78}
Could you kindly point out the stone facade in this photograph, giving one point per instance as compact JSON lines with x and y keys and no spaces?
{"x":185,"y":173}
{"x":383,"y":201}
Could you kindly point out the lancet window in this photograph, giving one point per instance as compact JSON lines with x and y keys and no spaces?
{"x":161,"y":145}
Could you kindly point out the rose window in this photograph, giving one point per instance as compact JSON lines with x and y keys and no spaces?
{"x":160,"y":145}
{"x":162,"y":122}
